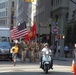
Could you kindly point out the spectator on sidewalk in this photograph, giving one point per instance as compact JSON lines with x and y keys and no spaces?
{"x":58,"y":48}
{"x":66,"y":50}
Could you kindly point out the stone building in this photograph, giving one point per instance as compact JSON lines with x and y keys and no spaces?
{"x":8,"y":13}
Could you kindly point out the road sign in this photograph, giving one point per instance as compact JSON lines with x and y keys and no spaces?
{"x":55,"y":29}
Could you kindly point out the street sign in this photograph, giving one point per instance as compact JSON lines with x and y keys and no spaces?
{"x":55,"y":29}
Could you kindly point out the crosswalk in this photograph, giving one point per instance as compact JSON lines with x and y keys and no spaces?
{"x":62,"y":68}
{"x":31,"y":68}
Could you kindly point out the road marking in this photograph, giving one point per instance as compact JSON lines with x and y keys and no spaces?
{"x":32,"y":68}
{"x":5,"y":71}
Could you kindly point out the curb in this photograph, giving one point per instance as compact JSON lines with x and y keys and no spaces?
{"x":63,"y":59}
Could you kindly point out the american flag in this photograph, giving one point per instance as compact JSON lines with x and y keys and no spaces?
{"x":19,"y":31}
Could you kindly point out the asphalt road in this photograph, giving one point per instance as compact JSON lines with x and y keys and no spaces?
{"x":27,"y":68}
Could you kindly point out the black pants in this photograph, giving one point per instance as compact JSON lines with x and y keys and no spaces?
{"x":66,"y":53}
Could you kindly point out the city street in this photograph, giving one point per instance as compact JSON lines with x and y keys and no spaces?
{"x":37,"y":29}
{"x":61,"y":67}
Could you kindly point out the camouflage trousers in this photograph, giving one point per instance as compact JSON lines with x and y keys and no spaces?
{"x":32,"y":56}
{"x":23,"y":56}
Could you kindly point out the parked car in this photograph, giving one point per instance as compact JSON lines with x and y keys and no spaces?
{"x":5,"y":51}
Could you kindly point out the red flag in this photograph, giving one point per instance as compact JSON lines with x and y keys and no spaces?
{"x":27,"y":39}
{"x":32,"y":33}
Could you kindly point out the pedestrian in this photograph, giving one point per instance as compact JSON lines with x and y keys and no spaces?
{"x":55,"y":48}
{"x":75,"y":60}
{"x":58,"y":51}
{"x":66,"y":50}
{"x":15,"y":52}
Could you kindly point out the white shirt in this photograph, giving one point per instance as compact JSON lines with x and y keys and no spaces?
{"x":45,"y":49}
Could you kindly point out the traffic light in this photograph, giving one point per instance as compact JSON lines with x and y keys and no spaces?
{"x":58,"y":36}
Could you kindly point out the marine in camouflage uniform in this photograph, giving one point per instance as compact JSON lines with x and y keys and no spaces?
{"x":36,"y":50}
{"x":41,"y":47}
{"x":31,"y":52}
{"x":23,"y":50}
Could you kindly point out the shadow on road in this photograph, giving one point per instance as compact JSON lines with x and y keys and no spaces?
{"x":36,"y":73}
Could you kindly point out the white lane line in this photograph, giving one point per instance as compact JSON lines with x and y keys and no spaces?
{"x":6,"y":71}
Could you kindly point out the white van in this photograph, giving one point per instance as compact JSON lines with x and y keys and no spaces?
{"x":4,"y":34}
{"x":5,"y":44}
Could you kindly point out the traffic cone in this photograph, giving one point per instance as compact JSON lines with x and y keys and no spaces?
{"x":75,"y":70}
{"x":72,"y":68}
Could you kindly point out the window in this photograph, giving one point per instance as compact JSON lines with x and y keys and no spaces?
{"x":2,"y":22}
{"x":56,"y":16}
{"x":12,"y":12}
{"x":58,"y":1}
{"x":2,"y":5}
{"x":12,"y":17}
{"x":6,"y":12}
{"x":51,"y":2}
{"x":67,"y":16}
{"x":12,"y":3}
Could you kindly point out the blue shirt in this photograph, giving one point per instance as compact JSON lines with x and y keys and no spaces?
{"x":66,"y":48}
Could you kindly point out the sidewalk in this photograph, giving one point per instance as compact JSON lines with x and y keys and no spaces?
{"x":63,"y":58}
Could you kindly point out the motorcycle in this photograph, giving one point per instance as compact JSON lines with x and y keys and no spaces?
{"x":46,"y":61}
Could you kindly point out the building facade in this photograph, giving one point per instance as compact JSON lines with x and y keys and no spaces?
{"x":60,"y":9}
{"x":31,"y":13}
{"x":43,"y":19}
{"x":8,"y":13}
{"x":72,"y":21}
{"x":56,"y":15}
{"x":22,"y":8}
{"x":72,"y":9}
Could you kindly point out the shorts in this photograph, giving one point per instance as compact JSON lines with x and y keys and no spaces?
{"x":14,"y":56}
